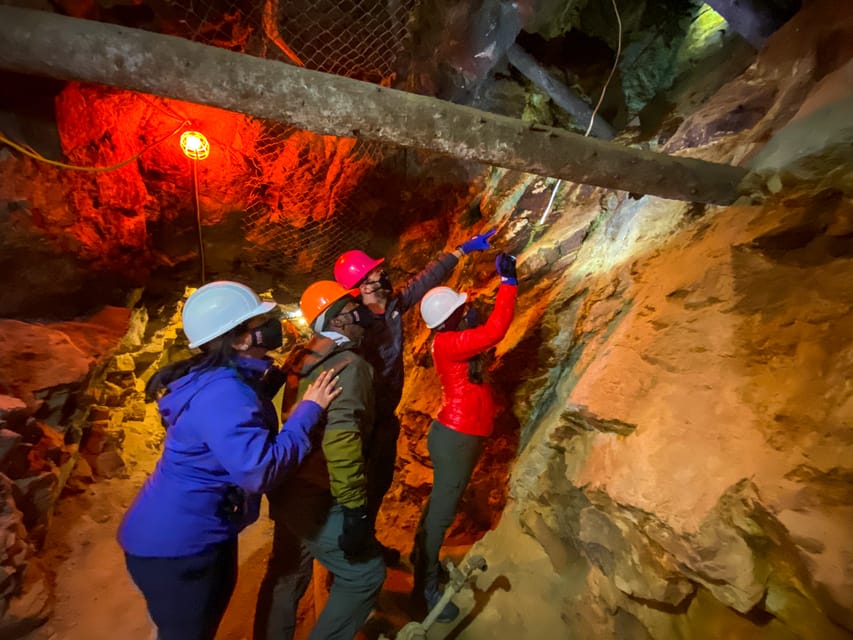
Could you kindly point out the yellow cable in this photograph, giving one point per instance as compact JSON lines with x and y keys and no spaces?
{"x":37,"y":156}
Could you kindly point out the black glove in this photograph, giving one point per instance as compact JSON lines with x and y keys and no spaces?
{"x":357,"y":533}
{"x":232,"y":505}
{"x":505,"y":264}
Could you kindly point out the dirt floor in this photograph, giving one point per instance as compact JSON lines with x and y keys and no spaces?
{"x":96,"y":600}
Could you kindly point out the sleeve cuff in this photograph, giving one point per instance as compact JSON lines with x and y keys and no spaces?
{"x":311,"y":409}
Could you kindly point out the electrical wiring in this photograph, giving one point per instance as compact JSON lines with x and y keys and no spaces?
{"x":37,"y":156}
{"x":198,"y":218}
{"x":32,"y":153}
{"x":612,"y":69}
{"x":597,"y":105}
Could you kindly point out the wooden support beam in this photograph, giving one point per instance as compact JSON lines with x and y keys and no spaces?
{"x":562,"y":95}
{"x":43,"y":43}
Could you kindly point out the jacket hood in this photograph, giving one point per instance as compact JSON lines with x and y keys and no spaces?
{"x":181,"y":391}
{"x":304,"y":358}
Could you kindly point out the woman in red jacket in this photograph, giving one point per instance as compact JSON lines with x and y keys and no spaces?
{"x":465,"y":418}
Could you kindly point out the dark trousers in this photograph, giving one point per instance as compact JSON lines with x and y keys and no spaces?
{"x":454,"y":456}
{"x":356,"y":583}
{"x":288,"y":575}
{"x":187,"y":596}
{"x":382,"y":458}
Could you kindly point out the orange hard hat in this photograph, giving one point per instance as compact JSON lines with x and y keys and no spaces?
{"x":319,"y":296}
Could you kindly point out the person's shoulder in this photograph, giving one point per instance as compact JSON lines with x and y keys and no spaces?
{"x":211,"y":398}
{"x":296,"y":356}
{"x":350,"y":356}
{"x":223,"y":380}
{"x":448,"y":341}
{"x":352,"y":363}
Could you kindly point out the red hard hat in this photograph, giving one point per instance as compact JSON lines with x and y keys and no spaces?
{"x":353,"y":266}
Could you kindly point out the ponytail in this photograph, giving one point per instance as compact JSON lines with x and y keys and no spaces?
{"x":476,"y":368}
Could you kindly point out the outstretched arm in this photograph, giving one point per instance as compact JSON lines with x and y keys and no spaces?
{"x":463,"y":345}
{"x":238,"y":435}
{"x":437,"y":272}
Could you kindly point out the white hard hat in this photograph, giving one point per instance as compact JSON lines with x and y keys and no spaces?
{"x":439,"y":304}
{"x":218,"y":307}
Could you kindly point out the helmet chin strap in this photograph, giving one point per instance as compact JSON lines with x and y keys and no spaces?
{"x":383,"y":283}
{"x":374,"y":287}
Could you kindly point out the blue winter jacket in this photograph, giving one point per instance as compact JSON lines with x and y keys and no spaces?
{"x":222,"y":439}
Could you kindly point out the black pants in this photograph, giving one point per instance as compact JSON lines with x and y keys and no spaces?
{"x":187,"y":596}
{"x":382,"y":458}
{"x":454,"y":456}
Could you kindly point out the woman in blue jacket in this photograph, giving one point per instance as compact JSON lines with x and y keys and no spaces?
{"x":222,"y":450}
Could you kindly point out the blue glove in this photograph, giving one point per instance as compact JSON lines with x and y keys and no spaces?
{"x":505,"y":264}
{"x":478,"y":243}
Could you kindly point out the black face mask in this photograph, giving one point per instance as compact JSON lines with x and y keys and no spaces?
{"x":362,"y":316}
{"x":268,"y":335}
{"x":383,"y":282}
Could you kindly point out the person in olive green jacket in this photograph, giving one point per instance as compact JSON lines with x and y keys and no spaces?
{"x":321,"y":510}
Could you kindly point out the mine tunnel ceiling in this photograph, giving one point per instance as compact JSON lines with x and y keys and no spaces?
{"x":64,"y":47}
{"x":491,"y":32}
{"x":284,"y":190}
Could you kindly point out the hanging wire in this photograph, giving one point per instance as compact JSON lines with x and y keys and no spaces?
{"x":595,"y":110}
{"x":28,"y":151}
{"x":550,"y":201}
{"x":612,"y":69}
{"x":198,"y":218}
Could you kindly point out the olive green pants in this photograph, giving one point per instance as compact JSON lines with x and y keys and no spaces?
{"x":454,"y":456}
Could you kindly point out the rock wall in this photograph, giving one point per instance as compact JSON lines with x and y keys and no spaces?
{"x":700,"y":438}
{"x":685,"y":413}
{"x":671,"y":458}
{"x":55,"y":436}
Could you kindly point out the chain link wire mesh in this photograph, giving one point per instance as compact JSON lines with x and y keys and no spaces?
{"x":300,"y":222}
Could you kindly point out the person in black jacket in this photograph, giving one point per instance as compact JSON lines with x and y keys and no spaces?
{"x":383,"y":348}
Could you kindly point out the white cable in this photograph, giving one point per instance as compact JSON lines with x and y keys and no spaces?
{"x":612,"y":70}
{"x":550,"y":202}
{"x":597,"y":106}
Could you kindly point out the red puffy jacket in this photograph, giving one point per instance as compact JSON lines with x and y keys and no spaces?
{"x":465,"y":406}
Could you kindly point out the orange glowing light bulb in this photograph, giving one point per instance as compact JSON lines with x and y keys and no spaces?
{"x":194,"y":145}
